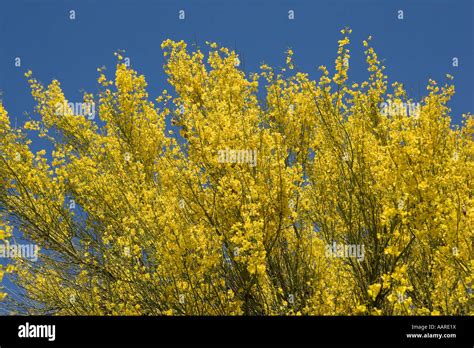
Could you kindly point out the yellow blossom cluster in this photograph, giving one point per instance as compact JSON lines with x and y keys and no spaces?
{"x":138,"y":214}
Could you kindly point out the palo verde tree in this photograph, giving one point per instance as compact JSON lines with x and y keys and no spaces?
{"x":242,"y":207}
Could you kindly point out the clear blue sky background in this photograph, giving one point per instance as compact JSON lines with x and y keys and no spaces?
{"x":419,"y":47}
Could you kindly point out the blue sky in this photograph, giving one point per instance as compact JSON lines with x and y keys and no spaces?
{"x":419,"y":47}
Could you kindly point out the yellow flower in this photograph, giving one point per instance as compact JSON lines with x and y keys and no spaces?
{"x":374,"y":290}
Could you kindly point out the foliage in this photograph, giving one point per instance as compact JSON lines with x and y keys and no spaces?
{"x":163,"y":227}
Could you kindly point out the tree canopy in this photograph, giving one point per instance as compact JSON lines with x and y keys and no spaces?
{"x":209,"y":200}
